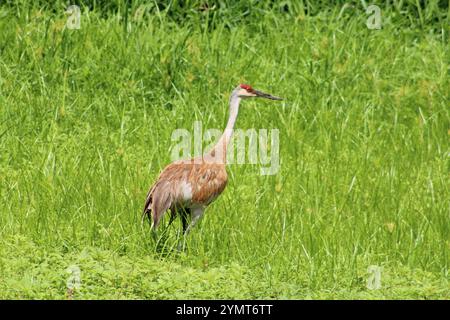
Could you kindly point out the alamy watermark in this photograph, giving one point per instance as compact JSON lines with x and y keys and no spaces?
{"x":373,"y":22}
{"x":263,"y":147}
{"x":374,"y":279}
{"x":74,"y":19}
{"x":73,"y":282}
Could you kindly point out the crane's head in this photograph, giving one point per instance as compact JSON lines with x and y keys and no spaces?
{"x":246,"y":91}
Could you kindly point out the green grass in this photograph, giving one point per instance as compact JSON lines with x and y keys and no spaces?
{"x":86,"y":118}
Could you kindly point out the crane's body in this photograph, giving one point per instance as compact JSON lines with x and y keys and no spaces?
{"x":187,"y":187}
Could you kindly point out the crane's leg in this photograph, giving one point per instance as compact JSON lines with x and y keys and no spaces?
{"x":196,"y":215}
{"x":173,"y":215}
{"x":184,"y":214}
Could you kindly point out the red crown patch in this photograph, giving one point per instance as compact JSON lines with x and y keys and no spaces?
{"x":246,"y":87}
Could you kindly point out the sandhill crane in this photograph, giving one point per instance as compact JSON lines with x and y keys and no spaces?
{"x":187,"y":187}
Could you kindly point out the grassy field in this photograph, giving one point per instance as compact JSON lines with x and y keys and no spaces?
{"x":86,"y":118}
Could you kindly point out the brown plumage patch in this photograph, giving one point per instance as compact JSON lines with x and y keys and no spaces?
{"x":185,"y":184}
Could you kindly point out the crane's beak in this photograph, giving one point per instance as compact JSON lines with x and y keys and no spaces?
{"x":266,"y":95}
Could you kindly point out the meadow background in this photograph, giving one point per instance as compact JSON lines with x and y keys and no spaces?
{"x":86,"y":118}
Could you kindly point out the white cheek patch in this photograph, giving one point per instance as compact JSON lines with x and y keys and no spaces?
{"x":186,"y":191}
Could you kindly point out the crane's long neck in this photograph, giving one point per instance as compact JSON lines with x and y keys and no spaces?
{"x":219,"y":152}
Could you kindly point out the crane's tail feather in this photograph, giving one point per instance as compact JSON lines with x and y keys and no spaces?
{"x":147,"y":212}
{"x":158,"y":201}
